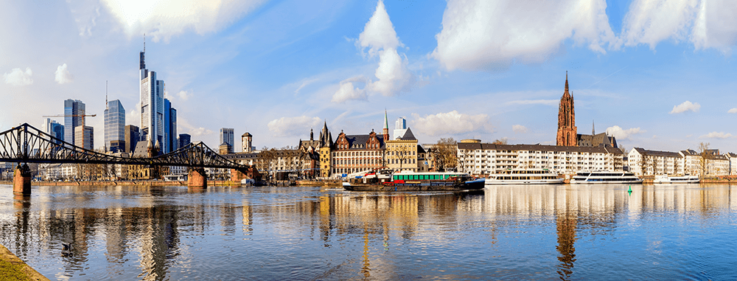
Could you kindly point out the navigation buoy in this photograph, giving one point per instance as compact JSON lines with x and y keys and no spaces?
{"x":630,"y":190}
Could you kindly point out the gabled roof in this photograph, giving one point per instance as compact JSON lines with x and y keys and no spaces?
{"x":363,"y":139}
{"x":141,"y":150}
{"x":408,"y":135}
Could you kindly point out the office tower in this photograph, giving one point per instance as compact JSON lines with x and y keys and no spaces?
{"x":173,"y":140}
{"x":72,"y":107}
{"x":166,"y":143}
{"x":152,"y":104}
{"x":184,"y":140}
{"x":54,"y":129}
{"x":400,"y":127}
{"x":114,"y":126}
{"x":131,"y":138}
{"x":89,"y":133}
{"x":227,"y":137}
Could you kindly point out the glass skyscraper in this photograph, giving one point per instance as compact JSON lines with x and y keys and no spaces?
{"x":54,"y":129}
{"x":72,"y":107}
{"x":114,"y":125}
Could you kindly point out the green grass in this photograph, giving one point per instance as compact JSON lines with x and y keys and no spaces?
{"x":10,"y":271}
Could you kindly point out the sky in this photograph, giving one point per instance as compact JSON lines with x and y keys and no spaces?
{"x":655,"y":74}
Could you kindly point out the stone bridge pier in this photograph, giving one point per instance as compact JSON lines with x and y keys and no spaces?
{"x":22,"y":179}
{"x":197,"y":177}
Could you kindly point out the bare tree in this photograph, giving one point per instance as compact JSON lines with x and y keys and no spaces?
{"x":500,"y":141}
{"x":705,"y":157}
{"x":447,"y":153}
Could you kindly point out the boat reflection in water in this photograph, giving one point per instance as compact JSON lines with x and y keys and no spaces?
{"x":507,"y":232}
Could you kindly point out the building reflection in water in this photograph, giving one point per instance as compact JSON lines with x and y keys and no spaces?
{"x":151,"y":226}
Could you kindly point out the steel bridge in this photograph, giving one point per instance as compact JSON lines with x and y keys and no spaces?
{"x":26,"y":144}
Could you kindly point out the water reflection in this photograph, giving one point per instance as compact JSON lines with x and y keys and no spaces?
{"x":159,"y":233}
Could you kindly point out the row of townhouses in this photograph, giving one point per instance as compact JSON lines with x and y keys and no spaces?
{"x":707,"y":163}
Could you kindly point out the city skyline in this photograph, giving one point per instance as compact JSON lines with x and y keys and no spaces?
{"x":662,"y":84}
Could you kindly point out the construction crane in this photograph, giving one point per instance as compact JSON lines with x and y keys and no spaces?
{"x":75,"y":115}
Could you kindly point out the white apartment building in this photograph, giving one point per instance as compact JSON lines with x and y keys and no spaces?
{"x":732,"y":158}
{"x":484,"y":158}
{"x":652,"y":162}
{"x":691,"y":162}
{"x":717,"y":165}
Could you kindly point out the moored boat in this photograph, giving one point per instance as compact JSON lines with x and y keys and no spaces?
{"x":605,"y":177}
{"x":528,"y":176}
{"x":664,"y":179}
{"x":425,"y":181}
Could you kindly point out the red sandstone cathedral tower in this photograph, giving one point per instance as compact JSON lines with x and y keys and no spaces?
{"x":566,"y":120}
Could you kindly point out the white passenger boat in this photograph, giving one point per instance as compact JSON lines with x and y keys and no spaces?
{"x":527,"y":176}
{"x":605,"y":177}
{"x":663,"y":179}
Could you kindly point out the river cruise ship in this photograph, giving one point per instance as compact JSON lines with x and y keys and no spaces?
{"x":605,"y":177}
{"x":424,"y":181}
{"x":663,"y":179}
{"x":528,"y":176}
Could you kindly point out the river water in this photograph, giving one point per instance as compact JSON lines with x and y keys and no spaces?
{"x":312,"y":233}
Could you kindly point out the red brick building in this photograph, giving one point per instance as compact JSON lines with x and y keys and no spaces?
{"x":567,"y":131}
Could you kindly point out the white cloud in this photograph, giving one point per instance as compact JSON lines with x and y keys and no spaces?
{"x":480,"y":34}
{"x":543,"y":102}
{"x":18,"y":77}
{"x":623,"y":134}
{"x":184,"y":95}
{"x":686,"y":106}
{"x":519,"y":129}
{"x":292,"y":126}
{"x":200,"y":131}
{"x":62,"y":75}
{"x":733,"y":110}
{"x":378,"y":33}
{"x":706,"y":24}
{"x":451,"y":123}
{"x":716,"y":135}
{"x":347,"y":91}
{"x":392,"y":74}
{"x":163,"y":19}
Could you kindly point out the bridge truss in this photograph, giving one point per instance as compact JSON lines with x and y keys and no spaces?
{"x":26,"y":144}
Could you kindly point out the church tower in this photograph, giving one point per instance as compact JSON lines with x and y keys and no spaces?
{"x":566,"y":120}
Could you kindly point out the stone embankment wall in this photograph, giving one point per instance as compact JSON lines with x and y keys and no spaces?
{"x":119,"y":183}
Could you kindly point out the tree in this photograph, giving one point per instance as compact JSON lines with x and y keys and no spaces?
{"x":447,"y":154}
{"x":500,"y":141}
{"x":705,"y":156}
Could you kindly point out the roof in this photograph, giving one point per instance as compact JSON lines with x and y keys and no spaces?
{"x":420,"y":149}
{"x":240,"y":156}
{"x":408,"y":135}
{"x":689,"y":152}
{"x":539,"y":147}
{"x":363,"y":139}
{"x":141,"y":150}
{"x":658,"y":153}
{"x":246,"y":134}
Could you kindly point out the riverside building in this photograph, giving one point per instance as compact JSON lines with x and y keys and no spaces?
{"x":482,"y":159}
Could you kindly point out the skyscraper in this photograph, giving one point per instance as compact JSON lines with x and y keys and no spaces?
{"x":54,"y":129}
{"x":131,"y":138}
{"x":400,"y":126}
{"x":227,"y":137}
{"x":89,"y":134}
{"x":166,"y":145}
{"x":173,"y":141}
{"x":72,"y":107}
{"x":184,"y":140}
{"x":152,"y":104}
{"x":114,"y":126}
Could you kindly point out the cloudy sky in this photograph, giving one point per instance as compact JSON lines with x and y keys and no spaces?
{"x":656,"y":74}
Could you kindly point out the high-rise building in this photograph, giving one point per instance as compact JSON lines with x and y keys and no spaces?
{"x":166,"y":145}
{"x":173,"y":141}
{"x":567,"y":131}
{"x":184,"y":140}
{"x":131,"y":138}
{"x":115,"y":126}
{"x":54,"y":129}
{"x":227,"y":137}
{"x":72,"y":107}
{"x":152,"y":104}
{"x":89,"y":134}
{"x":400,"y":126}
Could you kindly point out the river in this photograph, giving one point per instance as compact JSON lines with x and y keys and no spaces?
{"x":307,"y":233}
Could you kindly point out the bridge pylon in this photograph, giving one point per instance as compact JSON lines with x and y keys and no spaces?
{"x":22,"y":179}
{"x":197,"y":177}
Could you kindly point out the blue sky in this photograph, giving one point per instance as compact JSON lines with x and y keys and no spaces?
{"x":656,"y":74}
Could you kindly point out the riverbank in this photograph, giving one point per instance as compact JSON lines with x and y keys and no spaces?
{"x":13,"y":268}
{"x":124,"y":183}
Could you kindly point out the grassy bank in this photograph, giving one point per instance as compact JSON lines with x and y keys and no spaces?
{"x":13,"y":268}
